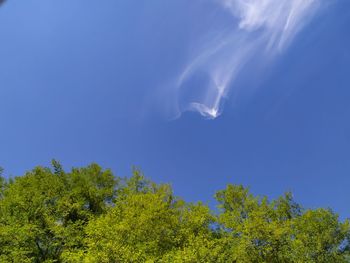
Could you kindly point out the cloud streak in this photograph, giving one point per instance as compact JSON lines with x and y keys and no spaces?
{"x":261,"y":30}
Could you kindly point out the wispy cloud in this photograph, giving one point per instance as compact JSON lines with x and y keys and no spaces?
{"x":262,"y":29}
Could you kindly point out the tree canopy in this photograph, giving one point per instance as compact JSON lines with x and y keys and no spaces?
{"x":90,"y":215}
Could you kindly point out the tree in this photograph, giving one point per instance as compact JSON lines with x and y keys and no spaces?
{"x":258,"y":230}
{"x":146,"y":224}
{"x":43,"y":213}
{"x":89,"y":215}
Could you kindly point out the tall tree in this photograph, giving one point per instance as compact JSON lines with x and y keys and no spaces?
{"x":258,"y":230}
{"x":89,"y":215}
{"x":44,"y":213}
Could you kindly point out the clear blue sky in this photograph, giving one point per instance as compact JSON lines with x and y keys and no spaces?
{"x":78,"y":83}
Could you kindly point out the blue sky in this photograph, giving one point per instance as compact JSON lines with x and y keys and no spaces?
{"x":92,"y":81}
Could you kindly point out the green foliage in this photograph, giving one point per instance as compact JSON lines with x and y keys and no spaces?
{"x":43,"y":213}
{"x":2,"y":182}
{"x":89,"y":215}
{"x":278,"y":231}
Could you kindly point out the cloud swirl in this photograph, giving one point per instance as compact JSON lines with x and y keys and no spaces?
{"x":262,"y":30}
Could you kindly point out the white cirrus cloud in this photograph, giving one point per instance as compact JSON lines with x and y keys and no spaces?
{"x":262,"y":30}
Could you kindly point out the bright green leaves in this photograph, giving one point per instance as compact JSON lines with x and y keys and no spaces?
{"x":88,"y":215}
{"x":319,"y":236}
{"x":43,"y":213}
{"x":146,"y":223}
{"x":278,"y":231}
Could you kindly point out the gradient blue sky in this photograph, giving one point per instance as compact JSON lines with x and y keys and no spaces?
{"x":78,"y":83}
